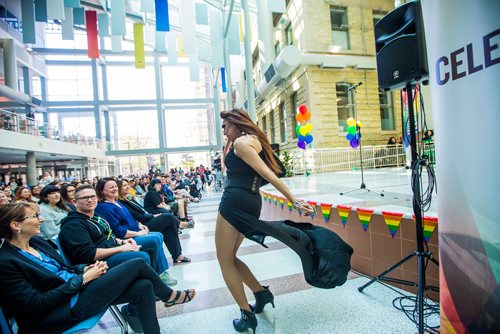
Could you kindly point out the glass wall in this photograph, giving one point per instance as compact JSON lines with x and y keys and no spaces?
{"x":69,"y":83}
{"x":136,"y":129}
{"x":189,"y":127}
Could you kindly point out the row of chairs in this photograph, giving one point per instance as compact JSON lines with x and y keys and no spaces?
{"x":8,"y":324}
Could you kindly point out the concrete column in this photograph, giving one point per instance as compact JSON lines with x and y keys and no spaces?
{"x":266,"y":37}
{"x":97,"y":113}
{"x":31,"y":176}
{"x":9,"y":63}
{"x":162,"y":135}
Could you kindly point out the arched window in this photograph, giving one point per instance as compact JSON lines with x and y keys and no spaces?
{"x":345,"y":103}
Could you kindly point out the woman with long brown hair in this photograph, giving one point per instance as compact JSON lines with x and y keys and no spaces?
{"x":249,"y":159}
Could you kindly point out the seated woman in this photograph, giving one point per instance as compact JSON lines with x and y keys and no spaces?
{"x":124,"y":226}
{"x":52,"y":208}
{"x":35,"y":193}
{"x":175,"y":200}
{"x":154,"y":202}
{"x":68,"y":195}
{"x":47,"y":296}
{"x":166,"y":224}
{"x":22,"y":194}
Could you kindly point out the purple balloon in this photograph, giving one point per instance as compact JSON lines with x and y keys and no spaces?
{"x":301,"y":144}
{"x":354,"y":143}
{"x":309,"y":139}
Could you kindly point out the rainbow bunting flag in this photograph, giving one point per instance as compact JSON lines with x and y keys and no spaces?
{"x":290,"y":206}
{"x":282,"y":202}
{"x":300,"y":212}
{"x":364,"y":215}
{"x":275,"y":199}
{"x":313,"y":204}
{"x":269,"y":197}
{"x":392,"y":220}
{"x":429,"y":226}
{"x":343,"y":213}
{"x":325,"y":210}
{"x":264,"y":195}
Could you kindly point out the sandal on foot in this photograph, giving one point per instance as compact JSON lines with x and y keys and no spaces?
{"x":183,"y":260}
{"x":187,"y":297}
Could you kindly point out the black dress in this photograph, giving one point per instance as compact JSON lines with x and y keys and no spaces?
{"x":325,"y":256}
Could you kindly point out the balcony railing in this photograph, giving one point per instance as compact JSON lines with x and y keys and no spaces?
{"x":22,"y":124}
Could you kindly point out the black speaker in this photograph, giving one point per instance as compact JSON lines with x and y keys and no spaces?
{"x":400,"y":46}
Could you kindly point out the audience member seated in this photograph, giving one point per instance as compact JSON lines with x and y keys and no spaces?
{"x":124,"y":226}
{"x":53,"y":210}
{"x":46,"y":179}
{"x":4,"y":199}
{"x":178,"y":203}
{"x":47,"y":296}
{"x":139,"y":191}
{"x":166,"y":224}
{"x":68,"y":195}
{"x":22,"y":194}
{"x":391,"y":141}
{"x":35,"y":193}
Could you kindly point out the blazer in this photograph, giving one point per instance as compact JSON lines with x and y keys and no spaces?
{"x":36,"y":297}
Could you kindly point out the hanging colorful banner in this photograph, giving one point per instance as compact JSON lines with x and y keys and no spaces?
{"x":343,"y":213}
{"x":55,"y":9}
{"x":326,"y":209}
{"x":429,"y":226}
{"x":140,"y":59}
{"x":92,"y":40}
{"x":364,"y":215}
{"x":41,"y":10}
{"x":275,"y":199}
{"x":28,"y":19}
{"x":161,"y":12}
{"x":313,"y":204}
{"x":290,"y":206}
{"x":223,"y":79}
{"x":392,"y":220}
{"x":282,"y":202}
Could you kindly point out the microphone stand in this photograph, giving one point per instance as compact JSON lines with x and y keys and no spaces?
{"x":358,"y":136}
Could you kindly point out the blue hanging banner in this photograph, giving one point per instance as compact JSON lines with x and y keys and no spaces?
{"x":28,"y":17}
{"x":72,"y":3}
{"x":162,"y":21}
{"x":79,"y":16}
{"x":41,"y":10}
{"x":223,"y":79}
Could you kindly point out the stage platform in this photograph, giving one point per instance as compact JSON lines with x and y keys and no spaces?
{"x":394,"y":183}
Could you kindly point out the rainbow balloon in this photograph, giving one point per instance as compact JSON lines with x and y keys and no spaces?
{"x":392,"y":220}
{"x":343,"y":213}
{"x":364,"y":215}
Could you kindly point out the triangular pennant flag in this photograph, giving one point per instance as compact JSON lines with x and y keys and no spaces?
{"x":429,"y":226}
{"x":392,"y":220}
{"x":275,"y":199}
{"x":290,"y":206}
{"x":313,"y":204}
{"x":364,"y":215}
{"x":300,"y":211}
{"x":264,"y":196}
{"x":325,"y":210}
{"x":282,"y":202}
{"x":343,"y":213}
{"x":269,"y":197}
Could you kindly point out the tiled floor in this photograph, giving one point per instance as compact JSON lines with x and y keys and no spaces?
{"x":299,"y":307}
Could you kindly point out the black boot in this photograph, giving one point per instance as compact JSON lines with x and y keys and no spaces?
{"x":262,"y":298}
{"x":247,"y":320}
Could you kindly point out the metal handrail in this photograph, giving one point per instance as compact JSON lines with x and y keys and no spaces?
{"x":22,"y":124}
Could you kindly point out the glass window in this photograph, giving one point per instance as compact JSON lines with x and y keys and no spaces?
{"x":137,"y":129}
{"x":340,"y":27}
{"x":189,"y":127}
{"x":345,"y":105}
{"x":282,"y":118}
{"x":69,"y":83}
{"x":271,"y":125}
{"x":264,"y":124}
{"x":288,"y":35}
{"x":129,"y":83}
{"x":386,"y":110}
{"x":377,"y":16}
{"x":294,"y":104}
{"x":177,"y":84}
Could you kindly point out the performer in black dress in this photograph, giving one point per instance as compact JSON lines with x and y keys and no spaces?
{"x":248,"y":159}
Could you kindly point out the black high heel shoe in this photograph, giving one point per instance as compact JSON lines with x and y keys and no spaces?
{"x":262,"y":298}
{"x":247,"y":320}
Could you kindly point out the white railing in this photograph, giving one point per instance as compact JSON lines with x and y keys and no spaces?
{"x":22,"y":124}
{"x":338,"y":159}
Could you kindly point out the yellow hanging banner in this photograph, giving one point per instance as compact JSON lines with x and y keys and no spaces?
{"x":140,"y":61}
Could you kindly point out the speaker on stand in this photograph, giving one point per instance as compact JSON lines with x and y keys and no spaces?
{"x":402,"y":63}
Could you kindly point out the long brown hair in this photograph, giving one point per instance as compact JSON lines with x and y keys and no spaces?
{"x":244,"y":123}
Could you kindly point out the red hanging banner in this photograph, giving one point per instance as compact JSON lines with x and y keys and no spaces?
{"x":91,"y":26}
